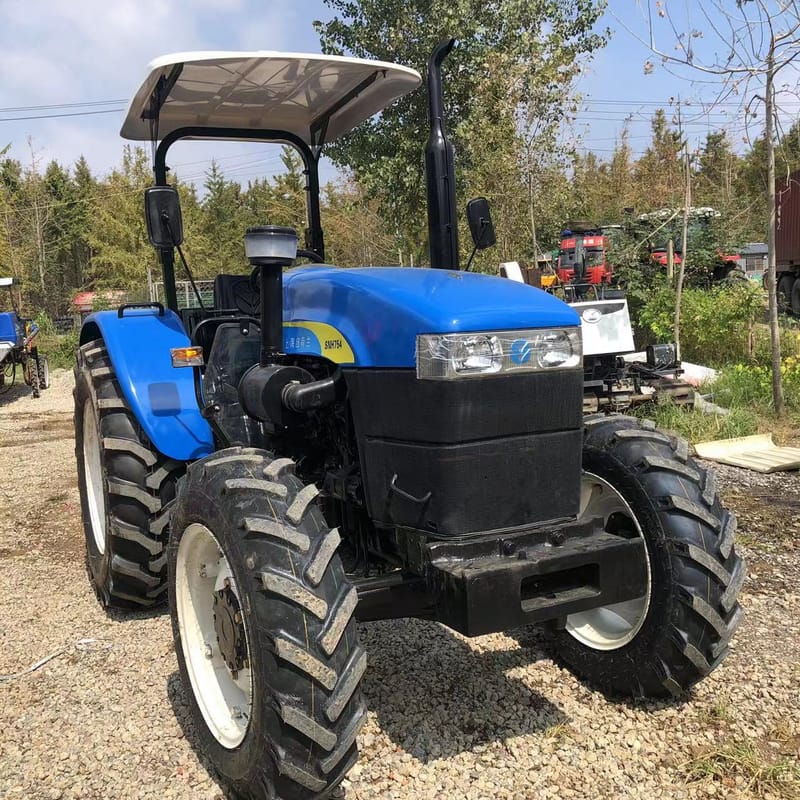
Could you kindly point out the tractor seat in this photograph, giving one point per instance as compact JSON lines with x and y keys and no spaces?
{"x":236,"y":292}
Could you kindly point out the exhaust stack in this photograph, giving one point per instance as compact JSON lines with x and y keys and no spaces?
{"x":439,"y":170}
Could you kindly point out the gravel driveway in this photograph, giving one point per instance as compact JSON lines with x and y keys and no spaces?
{"x":450,"y":717}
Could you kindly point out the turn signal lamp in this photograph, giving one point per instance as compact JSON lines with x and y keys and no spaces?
{"x":187,"y":356}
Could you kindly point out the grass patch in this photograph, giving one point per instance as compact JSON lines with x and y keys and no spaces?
{"x":750,"y":385}
{"x":720,"y":712}
{"x":743,"y":766}
{"x":697,"y":426}
{"x":59,"y":348}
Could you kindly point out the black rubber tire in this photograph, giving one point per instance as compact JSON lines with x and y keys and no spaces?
{"x":33,"y":372}
{"x":696,"y":573}
{"x":139,"y":485}
{"x":306,"y":663}
{"x":795,"y":298}
{"x":44,"y":372}
{"x":785,"y":287}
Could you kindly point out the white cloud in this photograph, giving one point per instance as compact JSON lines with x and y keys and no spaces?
{"x":65,"y":52}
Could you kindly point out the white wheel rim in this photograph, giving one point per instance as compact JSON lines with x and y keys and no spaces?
{"x":225,"y":702}
{"x":614,"y":626}
{"x":93,"y":477}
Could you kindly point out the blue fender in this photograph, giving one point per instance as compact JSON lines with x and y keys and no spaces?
{"x":371,"y":316}
{"x":161,"y":397}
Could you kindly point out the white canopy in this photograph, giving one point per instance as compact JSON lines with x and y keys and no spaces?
{"x":315,"y":97}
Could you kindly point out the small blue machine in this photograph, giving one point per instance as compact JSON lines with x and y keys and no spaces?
{"x":325,"y":445}
{"x":18,"y":352}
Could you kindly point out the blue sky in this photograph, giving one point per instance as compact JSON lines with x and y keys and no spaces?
{"x":56,"y":52}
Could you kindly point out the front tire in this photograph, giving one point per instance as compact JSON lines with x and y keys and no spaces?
{"x":666,"y":641}
{"x":126,"y":488}
{"x":262,"y":617}
{"x":43,"y":369}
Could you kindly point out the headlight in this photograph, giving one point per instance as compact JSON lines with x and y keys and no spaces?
{"x":466,"y":355}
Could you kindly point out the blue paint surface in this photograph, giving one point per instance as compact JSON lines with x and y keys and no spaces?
{"x":11,"y":328}
{"x":379,"y":311}
{"x":382,"y":310}
{"x":160,"y":396}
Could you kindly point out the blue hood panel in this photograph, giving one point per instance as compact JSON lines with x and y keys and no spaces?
{"x":381,"y":310}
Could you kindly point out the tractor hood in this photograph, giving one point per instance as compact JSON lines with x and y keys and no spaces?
{"x":371,"y":316}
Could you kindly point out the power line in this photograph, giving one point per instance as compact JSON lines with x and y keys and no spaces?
{"x":56,"y":116}
{"x":62,"y":105}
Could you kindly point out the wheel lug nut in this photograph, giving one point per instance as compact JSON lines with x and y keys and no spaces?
{"x":208,"y":650}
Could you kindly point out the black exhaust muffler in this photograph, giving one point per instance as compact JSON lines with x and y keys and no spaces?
{"x":439,"y":170}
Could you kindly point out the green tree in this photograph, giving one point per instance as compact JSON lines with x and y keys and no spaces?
{"x":122,"y":255}
{"x":539,"y":44}
{"x":221,"y":208}
{"x":659,"y":171}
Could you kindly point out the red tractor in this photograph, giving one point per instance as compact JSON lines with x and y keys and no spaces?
{"x":582,"y":257}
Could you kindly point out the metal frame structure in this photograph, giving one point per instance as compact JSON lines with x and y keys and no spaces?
{"x":314,"y":235}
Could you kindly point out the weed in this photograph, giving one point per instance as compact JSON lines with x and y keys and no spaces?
{"x":559,"y":732}
{"x":720,"y":712}
{"x":59,"y":348}
{"x":697,"y":426}
{"x":748,"y":767}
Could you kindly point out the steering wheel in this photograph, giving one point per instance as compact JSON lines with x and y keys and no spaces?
{"x":313,"y":257}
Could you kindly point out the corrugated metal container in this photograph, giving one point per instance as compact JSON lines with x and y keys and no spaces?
{"x":787,"y":222}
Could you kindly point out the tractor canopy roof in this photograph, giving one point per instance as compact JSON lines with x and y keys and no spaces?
{"x":317,"y":98}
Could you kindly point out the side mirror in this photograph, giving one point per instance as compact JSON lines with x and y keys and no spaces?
{"x":162,"y":210}
{"x":480,"y":223}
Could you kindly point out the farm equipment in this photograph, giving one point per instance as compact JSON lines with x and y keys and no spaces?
{"x":657,"y":227}
{"x":18,"y":353}
{"x":326,"y":445}
{"x":787,"y":245}
{"x":615,"y":378}
{"x":583,"y":260}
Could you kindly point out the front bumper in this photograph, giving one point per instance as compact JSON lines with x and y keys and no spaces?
{"x":492,"y":584}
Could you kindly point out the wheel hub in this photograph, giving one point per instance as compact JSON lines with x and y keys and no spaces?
{"x":610,"y":627}
{"x":229,"y":629}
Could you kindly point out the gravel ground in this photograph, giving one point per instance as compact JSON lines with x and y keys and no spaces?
{"x":450,"y":717}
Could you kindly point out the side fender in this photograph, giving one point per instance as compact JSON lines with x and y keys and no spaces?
{"x":161,"y":397}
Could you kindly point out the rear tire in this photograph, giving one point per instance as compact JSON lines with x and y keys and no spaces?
{"x":795,"y":298}
{"x":44,"y":372}
{"x":126,"y":486}
{"x":785,"y":286}
{"x":683,"y":630}
{"x":283,"y":722}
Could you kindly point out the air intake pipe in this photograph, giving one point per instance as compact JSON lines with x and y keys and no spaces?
{"x":439,"y":170}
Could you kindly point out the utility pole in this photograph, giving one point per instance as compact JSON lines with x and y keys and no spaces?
{"x":769,"y":136}
{"x":687,"y":202}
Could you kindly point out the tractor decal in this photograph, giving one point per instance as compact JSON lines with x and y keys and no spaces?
{"x":317,"y":338}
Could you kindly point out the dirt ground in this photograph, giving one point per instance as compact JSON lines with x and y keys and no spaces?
{"x":105,"y":717}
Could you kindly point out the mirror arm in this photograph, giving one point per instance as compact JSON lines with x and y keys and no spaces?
{"x":166,"y":220}
{"x":475,"y":249}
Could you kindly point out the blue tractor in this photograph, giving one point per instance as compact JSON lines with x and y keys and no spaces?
{"x":18,"y":350}
{"x":329,"y":445}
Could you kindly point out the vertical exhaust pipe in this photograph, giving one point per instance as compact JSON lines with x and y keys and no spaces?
{"x":439,"y":170}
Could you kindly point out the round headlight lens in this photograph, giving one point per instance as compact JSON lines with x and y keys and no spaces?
{"x":477,"y":354}
{"x":554,"y":349}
